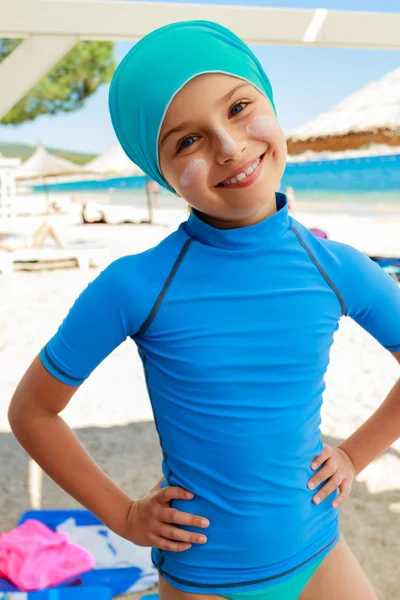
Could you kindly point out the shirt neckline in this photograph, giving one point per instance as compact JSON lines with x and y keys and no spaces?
{"x":241,"y":238}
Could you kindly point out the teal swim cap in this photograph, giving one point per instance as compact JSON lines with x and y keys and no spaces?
{"x":156,"y":69}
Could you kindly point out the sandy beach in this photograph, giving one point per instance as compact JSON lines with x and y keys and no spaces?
{"x":112,"y":415}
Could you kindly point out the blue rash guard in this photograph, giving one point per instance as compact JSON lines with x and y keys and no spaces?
{"x":234,"y":328}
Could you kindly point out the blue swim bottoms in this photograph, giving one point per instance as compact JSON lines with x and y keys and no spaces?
{"x":287,"y":590}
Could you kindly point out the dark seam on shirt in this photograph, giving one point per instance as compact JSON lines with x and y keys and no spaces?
{"x":165,"y":288}
{"x":242,"y":583}
{"x":56,"y":368}
{"x":321,"y":270}
{"x":142,"y":329}
{"x":392,"y":347}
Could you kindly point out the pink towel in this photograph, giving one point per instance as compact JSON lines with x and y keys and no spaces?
{"x":33,"y":557}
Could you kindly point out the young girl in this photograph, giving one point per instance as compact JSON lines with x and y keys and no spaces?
{"x":233,"y":316}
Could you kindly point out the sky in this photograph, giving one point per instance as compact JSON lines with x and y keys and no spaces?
{"x":306,"y":82}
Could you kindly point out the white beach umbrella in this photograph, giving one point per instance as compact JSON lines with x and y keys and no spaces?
{"x":370,"y":115}
{"x":112,"y":161}
{"x":42,"y":164}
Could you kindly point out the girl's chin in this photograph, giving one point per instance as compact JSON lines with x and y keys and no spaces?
{"x":235,"y":203}
{"x":251,"y":199}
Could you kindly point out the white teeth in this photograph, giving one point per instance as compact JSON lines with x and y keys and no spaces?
{"x":242,"y":176}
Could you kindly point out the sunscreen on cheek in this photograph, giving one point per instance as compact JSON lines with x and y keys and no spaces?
{"x":195,"y":173}
{"x":264,"y":127}
{"x":268,"y":129}
{"x":228,"y":144}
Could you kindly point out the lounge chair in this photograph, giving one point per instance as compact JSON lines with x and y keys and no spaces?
{"x":24,"y":252}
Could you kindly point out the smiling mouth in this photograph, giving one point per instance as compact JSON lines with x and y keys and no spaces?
{"x":243,"y":175}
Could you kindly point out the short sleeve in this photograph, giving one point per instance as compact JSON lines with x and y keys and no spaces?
{"x":371,"y":297}
{"x":100,"y":320}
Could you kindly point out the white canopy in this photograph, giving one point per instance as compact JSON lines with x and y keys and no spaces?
{"x":373,"y":108}
{"x":52,"y":27}
{"x":42,"y":164}
{"x":115,"y":161}
{"x":109,"y":20}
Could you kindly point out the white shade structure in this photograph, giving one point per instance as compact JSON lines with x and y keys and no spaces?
{"x":369,"y":116}
{"x":102,"y":19}
{"x":50,"y":28}
{"x":44,"y":164}
{"x":112,"y":161}
{"x":8,"y":167}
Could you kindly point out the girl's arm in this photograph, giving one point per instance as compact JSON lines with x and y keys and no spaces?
{"x":371,"y":298}
{"x":36,"y":423}
{"x":340,"y":465}
{"x":376,"y":434}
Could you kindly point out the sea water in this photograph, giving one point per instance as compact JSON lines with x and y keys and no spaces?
{"x":366,"y":184}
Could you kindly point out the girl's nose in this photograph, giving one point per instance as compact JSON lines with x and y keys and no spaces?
{"x":227,"y":148}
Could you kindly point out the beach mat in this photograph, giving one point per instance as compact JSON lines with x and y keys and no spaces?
{"x":87,"y":593}
{"x":117,"y":581}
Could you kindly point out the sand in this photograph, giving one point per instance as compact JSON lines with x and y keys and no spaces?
{"x":112,"y":415}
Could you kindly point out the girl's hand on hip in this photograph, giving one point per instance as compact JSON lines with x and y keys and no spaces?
{"x":152,"y":522}
{"x":338,"y":471}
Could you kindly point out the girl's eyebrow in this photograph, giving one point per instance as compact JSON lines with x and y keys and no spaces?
{"x":186,"y":124}
{"x":177,"y":129}
{"x":229,"y":95}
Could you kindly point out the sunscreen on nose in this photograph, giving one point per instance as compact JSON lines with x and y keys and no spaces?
{"x":263,"y":127}
{"x":228,"y":144}
{"x":194,"y":173}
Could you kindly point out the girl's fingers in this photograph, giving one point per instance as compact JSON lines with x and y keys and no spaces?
{"x":173,"y":492}
{"x":327,"y":489}
{"x":323,"y":474}
{"x":344,"y":490}
{"x":178,"y":517}
{"x":318,"y":460}
{"x":163,"y":544}
{"x":174,"y":533}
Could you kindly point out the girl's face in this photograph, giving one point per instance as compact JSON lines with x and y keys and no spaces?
{"x":222,"y":149}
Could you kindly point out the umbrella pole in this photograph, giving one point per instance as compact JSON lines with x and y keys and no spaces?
{"x":46,"y":193}
{"x":149,"y":203}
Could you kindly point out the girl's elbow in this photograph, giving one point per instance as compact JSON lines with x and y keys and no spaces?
{"x":15,"y":415}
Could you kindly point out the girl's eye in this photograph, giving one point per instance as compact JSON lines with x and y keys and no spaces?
{"x":237,"y":108}
{"x":191,"y":139}
{"x":185,"y":143}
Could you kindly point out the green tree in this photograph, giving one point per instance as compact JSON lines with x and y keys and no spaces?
{"x":66,"y":86}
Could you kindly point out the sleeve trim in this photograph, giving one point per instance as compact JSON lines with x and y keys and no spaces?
{"x":321,"y":270}
{"x":395,"y":347}
{"x":56,"y":368}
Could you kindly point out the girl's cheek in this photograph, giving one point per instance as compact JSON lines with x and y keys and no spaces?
{"x":268,"y":129}
{"x":194,"y":177}
{"x":264,"y":127}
